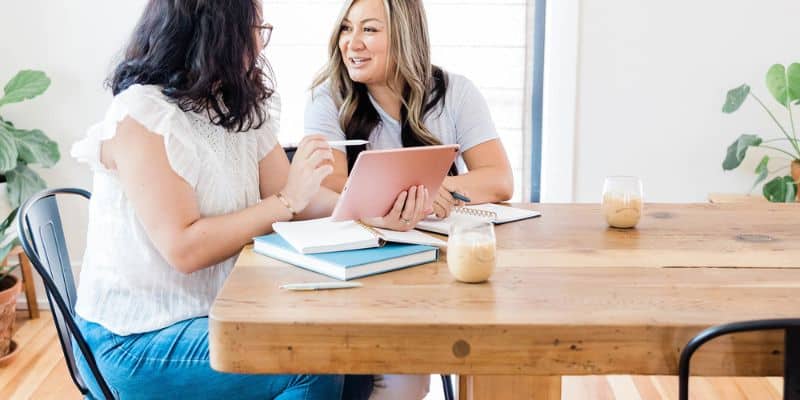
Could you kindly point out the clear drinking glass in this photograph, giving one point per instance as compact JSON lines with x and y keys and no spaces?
{"x":471,"y":251}
{"x":622,"y":201}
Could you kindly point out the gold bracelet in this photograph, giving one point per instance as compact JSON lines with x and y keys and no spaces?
{"x":286,"y":204}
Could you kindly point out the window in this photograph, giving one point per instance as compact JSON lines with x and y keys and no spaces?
{"x":484,"y":40}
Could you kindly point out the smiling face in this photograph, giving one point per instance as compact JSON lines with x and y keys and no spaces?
{"x":364,"y":42}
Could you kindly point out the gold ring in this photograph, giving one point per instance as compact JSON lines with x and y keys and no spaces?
{"x":405,"y":221}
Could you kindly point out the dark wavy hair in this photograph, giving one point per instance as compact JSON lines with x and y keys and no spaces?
{"x":205,"y":57}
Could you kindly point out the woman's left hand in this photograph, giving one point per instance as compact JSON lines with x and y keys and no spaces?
{"x":408,"y":209}
{"x":444,"y":201}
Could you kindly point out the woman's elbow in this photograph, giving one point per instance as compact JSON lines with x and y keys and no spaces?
{"x":504,"y":186}
{"x":505,"y":190}
{"x":182,"y":259}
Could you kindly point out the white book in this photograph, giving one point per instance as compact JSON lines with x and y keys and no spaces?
{"x":324,"y":235}
{"x":494,"y":213}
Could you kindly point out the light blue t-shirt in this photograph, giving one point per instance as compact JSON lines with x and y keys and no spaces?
{"x":465,"y":121}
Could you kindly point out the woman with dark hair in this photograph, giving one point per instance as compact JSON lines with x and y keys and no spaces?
{"x":379,"y":85}
{"x":186,"y":171}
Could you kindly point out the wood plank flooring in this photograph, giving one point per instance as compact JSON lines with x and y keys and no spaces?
{"x":39,"y":372}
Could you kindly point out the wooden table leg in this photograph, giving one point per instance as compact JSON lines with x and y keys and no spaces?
{"x":509,"y":387}
{"x":30,"y":289}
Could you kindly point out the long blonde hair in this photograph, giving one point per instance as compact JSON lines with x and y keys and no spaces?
{"x":423,"y":84}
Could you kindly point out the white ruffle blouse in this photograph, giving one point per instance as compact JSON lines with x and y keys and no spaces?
{"x":125,"y":283}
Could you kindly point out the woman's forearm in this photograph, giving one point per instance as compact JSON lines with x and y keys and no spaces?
{"x":210,"y":240}
{"x":485,"y":185}
{"x":321,"y":205}
{"x":213,"y":239}
{"x":335,"y":182}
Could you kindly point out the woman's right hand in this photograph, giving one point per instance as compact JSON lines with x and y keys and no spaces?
{"x":310,"y":165}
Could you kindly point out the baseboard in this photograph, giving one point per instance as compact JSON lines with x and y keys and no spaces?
{"x":43,"y":305}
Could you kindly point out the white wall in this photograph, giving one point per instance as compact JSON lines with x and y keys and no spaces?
{"x":74,"y":43}
{"x":652,"y":78}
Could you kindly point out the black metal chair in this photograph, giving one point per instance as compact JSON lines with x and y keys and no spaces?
{"x":290,"y":150}
{"x":447,"y":384}
{"x":791,"y":354}
{"x":42,"y":237}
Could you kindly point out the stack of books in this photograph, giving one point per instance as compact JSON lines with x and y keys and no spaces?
{"x":348,"y":249}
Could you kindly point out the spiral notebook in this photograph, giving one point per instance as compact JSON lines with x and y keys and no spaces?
{"x":324,"y":235}
{"x":494,"y":213}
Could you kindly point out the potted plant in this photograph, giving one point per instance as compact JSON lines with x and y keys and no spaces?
{"x":18,"y":149}
{"x":784,"y":85}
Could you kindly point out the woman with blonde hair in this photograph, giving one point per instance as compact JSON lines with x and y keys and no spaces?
{"x":379,"y":85}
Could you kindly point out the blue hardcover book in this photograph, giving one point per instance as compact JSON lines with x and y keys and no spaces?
{"x":350,"y":264}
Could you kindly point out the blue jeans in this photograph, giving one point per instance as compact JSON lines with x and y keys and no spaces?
{"x":173,"y":363}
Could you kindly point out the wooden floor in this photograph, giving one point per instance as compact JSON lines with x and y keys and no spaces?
{"x":39,"y":372}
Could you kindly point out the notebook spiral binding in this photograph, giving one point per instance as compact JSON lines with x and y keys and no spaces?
{"x":491,"y":215}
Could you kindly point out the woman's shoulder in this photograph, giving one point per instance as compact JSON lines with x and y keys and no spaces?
{"x":320,"y":99}
{"x":321,"y":90}
{"x":458,"y":85}
{"x":150,"y":107}
{"x":144,"y":95}
{"x":460,"y":91}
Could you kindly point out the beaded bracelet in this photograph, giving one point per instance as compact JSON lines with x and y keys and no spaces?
{"x":286,"y":204}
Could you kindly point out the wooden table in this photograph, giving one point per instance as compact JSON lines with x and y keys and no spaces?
{"x":736,"y":198}
{"x":569,"y":297}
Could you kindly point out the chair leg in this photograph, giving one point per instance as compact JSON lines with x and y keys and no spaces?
{"x":30,"y":288}
{"x":447,"y":387}
{"x":791,"y":364}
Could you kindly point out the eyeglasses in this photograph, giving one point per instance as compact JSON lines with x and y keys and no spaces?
{"x":265,"y":30}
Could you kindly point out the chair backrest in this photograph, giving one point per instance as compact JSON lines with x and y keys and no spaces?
{"x":791,"y":353}
{"x":290,"y":150}
{"x":42,"y":237}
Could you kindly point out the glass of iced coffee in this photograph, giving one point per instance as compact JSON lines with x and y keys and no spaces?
{"x":471,"y":251}
{"x":622,"y":201}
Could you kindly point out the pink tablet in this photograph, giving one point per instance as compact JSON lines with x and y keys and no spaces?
{"x":378,"y":176}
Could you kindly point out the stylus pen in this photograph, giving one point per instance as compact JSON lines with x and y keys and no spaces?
{"x":351,"y":142}
{"x":321,"y":285}
{"x":459,"y":196}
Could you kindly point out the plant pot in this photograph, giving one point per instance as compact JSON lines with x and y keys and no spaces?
{"x":10,"y":287}
{"x":796,"y":177}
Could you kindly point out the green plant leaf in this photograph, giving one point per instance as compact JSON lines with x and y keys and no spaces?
{"x":735,"y":98}
{"x":793,"y":74}
{"x":26,"y":84}
{"x":8,"y":150}
{"x":780,"y":189}
{"x":23,"y":182}
{"x":7,"y":222}
{"x":3,"y":254}
{"x":737,"y":150}
{"x":779,"y":85}
{"x":35,"y":147}
{"x":762,"y":172}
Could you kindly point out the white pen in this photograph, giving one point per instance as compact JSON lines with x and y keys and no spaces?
{"x":321,"y":285}
{"x":351,"y":142}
